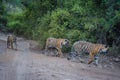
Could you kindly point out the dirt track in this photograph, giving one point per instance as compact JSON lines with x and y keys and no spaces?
{"x":26,"y":65}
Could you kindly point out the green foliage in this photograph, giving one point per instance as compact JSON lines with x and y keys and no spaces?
{"x":114,"y":50}
{"x":15,"y":24}
{"x":90,"y":20}
{"x":3,"y":18}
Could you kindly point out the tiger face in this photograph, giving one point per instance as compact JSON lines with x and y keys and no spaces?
{"x":81,"y":47}
{"x":104,"y":49}
{"x":57,"y":44}
{"x":64,"y":42}
{"x":12,"y":42}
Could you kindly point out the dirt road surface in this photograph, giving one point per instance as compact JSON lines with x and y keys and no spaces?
{"x":26,"y":65}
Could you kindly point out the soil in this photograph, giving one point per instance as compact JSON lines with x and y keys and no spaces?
{"x":25,"y":64}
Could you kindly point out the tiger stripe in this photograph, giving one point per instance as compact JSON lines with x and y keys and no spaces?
{"x":87,"y":47}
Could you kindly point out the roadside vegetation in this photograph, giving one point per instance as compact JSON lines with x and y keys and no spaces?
{"x":91,"y":20}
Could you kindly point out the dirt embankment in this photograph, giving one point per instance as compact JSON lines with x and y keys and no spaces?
{"x":26,"y":65}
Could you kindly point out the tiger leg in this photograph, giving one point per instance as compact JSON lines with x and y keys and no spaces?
{"x":59,"y":52}
{"x":15,"y":44}
{"x":57,"y":55}
{"x":96,"y":60}
{"x":8,"y":44}
{"x":46,"y":50}
{"x":91,"y":58}
{"x":11,"y":43}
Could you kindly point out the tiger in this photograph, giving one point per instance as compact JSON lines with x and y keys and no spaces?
{"x":81,"y":47}
{"x":57,"y":44}
{"x":12,"y":41}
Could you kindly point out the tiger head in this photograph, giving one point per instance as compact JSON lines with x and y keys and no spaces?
{"x":104,"y":49}
{"x":65,"y":42}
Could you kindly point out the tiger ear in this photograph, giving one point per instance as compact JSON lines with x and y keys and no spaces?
{"x":66,"y":40}
{"x":106,"y":46}
{"x":61,"y":43}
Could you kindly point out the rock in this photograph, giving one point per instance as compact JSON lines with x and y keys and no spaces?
{"x":116,"y":59}
{"x":34,"y":45}
{"x":20,"y":39}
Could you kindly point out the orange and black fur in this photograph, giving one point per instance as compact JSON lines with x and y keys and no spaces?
{"x":12,"y":42}
{"x":81,"y":47}
{"x":56,"y":43}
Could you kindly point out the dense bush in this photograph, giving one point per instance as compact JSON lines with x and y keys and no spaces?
{"x":90,"y":20}
{"x":3,"y":18}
